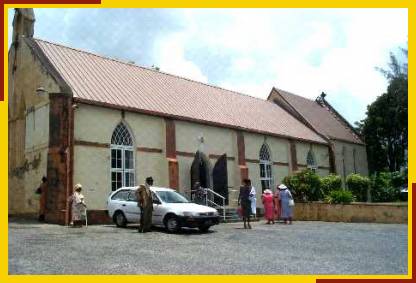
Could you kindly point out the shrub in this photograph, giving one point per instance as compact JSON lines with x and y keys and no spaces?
{"x":398,"y":179}
{"x":339,"y":196}
{"x":304,"y":185}
{"x":358,"y":185}
{"x":385,"y":187}
{"x":330,"y":183}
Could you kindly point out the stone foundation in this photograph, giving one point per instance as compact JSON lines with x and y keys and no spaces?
{"x":355,"y":212}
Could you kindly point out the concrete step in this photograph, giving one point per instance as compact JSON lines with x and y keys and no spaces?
{"x":236,"y":220}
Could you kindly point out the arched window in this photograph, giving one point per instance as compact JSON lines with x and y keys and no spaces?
{"x":265,"y":167}
{"x":310,"y":160}
{"x":122,"y":158}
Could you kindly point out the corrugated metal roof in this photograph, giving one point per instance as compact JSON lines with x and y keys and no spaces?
{"x":321,"y":118}
{"x":103,"y":80}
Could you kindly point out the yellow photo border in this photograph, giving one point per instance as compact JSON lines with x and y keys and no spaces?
{"x":4,"y":277}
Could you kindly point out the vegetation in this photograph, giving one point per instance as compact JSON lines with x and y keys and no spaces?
{"x":385,"y":129}
{"x":305,"y":185}
{"x":385,"y":186}
{"x":331,"y":183}
{"x":339,"y":197}
{"x":359,"y":186}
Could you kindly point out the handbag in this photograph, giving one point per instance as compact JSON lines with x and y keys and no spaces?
{"x":291,"y":202}
{"x":240,"y":211}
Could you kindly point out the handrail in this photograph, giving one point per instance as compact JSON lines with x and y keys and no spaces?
{"x":214,"y":193}
{"x":210,"y":202}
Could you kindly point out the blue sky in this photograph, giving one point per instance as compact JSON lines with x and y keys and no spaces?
{"x":304,"y":51}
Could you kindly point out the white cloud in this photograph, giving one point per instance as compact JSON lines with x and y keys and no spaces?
{"x":346,"y":46}
{"x":171,"y":58}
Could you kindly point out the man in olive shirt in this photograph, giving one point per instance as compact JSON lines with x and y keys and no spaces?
{"x":145,"y":202}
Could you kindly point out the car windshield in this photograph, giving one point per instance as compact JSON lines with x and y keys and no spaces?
{"x":171,"y":197}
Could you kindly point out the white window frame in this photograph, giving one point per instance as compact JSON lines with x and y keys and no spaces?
{"x":267,"y":166}
{"x":123,"y":170}
{"x":313,"y":166}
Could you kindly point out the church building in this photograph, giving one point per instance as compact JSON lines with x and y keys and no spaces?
{"x":77,"y":117}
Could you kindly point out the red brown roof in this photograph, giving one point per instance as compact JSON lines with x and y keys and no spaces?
{"x":105,"y":81}
{"x":321,"y":117}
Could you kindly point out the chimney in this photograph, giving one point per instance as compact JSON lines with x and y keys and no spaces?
{"x":23,"y":23}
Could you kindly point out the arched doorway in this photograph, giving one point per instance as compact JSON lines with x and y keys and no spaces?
{"x":200,"y":170}
{"x":220,"y":179}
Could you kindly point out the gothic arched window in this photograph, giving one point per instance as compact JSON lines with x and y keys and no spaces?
{"x":310,"y":160}
{"x":122,"y":158}
{"x":265,"y":167}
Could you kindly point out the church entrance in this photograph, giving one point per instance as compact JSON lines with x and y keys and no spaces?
{"x":220,"y":179}
{"x":200,"y":170}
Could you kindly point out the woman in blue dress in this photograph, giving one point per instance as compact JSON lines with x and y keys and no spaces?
{"x":285,"y":197}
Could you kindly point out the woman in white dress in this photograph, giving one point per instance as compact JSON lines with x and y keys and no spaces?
{"x":252,"y":198}
{"x":78,"y":206}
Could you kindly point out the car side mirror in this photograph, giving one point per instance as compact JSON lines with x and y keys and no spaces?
{"x":156,"y":201}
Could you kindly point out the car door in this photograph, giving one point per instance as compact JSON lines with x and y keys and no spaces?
{"x":118,"y":201}
{"x":157,"y":217}
{"x":131,"y":209}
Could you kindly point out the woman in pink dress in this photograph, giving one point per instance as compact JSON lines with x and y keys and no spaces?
{"x":268,"y":203}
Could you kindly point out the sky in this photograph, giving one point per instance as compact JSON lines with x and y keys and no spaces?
{"x":303,"y":51}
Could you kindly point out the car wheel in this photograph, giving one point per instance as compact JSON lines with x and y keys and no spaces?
{"x":120,"y":219}
{"x":204,"y":228}
{"x":172,"y":224}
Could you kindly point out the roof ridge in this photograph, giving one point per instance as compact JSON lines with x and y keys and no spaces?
{"x":148,"y":69}
{"x":297,"y":95}
{"x":328,"y":107}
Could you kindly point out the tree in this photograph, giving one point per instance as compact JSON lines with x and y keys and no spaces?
{"x":385,"y":129}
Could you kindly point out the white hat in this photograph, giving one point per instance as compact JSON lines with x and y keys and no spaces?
{"x":282,"y":186}
{"x":78,"y":186}
{"x":267,"y":191}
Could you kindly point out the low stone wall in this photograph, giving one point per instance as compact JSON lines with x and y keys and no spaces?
{"x":355,"y":212}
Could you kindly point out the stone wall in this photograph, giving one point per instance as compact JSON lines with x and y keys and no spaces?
{"x":355,"y":212}
{"x":28,"y":124}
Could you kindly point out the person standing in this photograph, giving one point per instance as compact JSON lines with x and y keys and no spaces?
{"x":285,"y":198}
{"x":145,"y":202}
{"x":199,"y":194}
{"x":268,"y":202}
{"x":277,"y":204}
{"x":252,"y":198}
{"x":42,"y":190}
{"x":244,"y":201}
{"x":78,"y":206}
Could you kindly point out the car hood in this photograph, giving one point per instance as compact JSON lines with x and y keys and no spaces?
{"x":192,"y":207}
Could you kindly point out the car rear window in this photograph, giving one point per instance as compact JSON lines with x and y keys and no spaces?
{"x":121,"y":195}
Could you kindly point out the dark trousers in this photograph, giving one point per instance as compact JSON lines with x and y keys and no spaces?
{"x":145,"y":219}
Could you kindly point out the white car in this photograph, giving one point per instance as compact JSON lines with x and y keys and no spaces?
{"x":170,"y":210}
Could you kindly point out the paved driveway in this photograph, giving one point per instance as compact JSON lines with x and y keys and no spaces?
{"x":301,"y":248}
